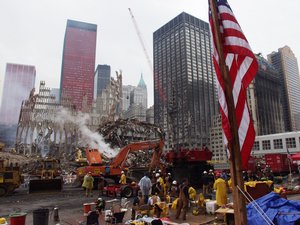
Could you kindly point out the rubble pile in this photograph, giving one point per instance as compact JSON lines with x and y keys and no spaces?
{"x":139,"y":159}
{"x":124,"y":131}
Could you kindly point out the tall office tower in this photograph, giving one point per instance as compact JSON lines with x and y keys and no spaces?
{"x":78,"y":64}
{"x":18,"y":82}
{"x":138,"y":95}
{"x":267,"y":99}
{"x":150,"y":115}
{"x":287,"y":65}
{"x":184,"y":82}
{"x":101,"y":80}
{"x":126,"y":89}
{"x":55,"y":92}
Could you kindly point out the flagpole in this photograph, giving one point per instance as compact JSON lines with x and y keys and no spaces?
{"x":239,"y":205}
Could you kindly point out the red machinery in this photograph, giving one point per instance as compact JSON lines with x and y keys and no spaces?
{"x":189,"y":163}
{"x":114,"y":168}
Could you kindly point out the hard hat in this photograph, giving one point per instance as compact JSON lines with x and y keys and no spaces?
{"x":90,"y":172}
{"x":169,"y":174}
{"x":99,"y":199}
{"x":153,"y":171}
{"x":159,"y":171}
{"x":204,"y":172}
{"x":122,"y":172}
{"x":157,"y":174}
{"x":210,"y":170}
{"x":174,"y":182}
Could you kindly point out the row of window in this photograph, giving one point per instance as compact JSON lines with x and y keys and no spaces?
{"x":277,"y":144}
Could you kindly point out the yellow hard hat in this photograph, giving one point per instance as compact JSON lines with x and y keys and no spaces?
{"x":2,"y":220}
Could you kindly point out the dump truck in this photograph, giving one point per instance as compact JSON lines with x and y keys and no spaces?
{"x":10,"y":178}
{"x":47,"y":177}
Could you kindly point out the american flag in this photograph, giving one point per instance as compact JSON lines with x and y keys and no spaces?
{"x":242,"y":66}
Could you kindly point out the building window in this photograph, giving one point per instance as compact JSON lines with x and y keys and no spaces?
{"x":266,"y":145}
{"x":256,"y":146}
{"x":290,"y":142}
{"x":278,"y":144}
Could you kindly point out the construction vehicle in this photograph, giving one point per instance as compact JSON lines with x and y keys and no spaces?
{"x":119,"y":163}
{"x":46,"y":177}
{"x":10,"y":178}
{"x":189,"y":163}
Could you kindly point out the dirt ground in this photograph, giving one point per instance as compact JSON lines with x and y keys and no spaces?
{"x":70,"y":203}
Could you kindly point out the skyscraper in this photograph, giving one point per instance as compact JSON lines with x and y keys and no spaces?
{"x":102,"y":79}
{"x":78,"y":64}
{"x":139,"y":94}
{"x":184,"y":82}
{"x":18,"y":82}
{"x":126,"y":89}
{"x":267,"y":98}
{"x":287,"y":65}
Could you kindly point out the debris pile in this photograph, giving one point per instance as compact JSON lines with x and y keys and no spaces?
{"x":121,"y":132}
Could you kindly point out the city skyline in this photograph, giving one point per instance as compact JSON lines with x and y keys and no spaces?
{"x":38,"y":39}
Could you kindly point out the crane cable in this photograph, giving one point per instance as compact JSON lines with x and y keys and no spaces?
{"x":156,"y":81}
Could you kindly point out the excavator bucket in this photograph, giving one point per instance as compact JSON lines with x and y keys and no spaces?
{"x":42,"y":185}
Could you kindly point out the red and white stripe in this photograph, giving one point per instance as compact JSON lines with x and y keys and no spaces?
{"x":242,"y":67}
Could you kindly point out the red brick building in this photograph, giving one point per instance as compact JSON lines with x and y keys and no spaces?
{"x":78,"y":64}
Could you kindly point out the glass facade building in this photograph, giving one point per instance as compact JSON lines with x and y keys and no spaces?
{"x":18,"y":82}
{"x":267,"y":99}
{"x":287,"y":65}
{"x":184,"y":81}
{"x":102,"y":79}
{"x":78,"y":64}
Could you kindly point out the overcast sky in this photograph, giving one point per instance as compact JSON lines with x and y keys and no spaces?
{"x":32,"y":31}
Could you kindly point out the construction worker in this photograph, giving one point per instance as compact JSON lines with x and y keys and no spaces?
{"x":101,"y":184}
{"x":183,"y":200}
{"x":211,"y":180}
{"x":145,"y":186}
{"x":205,"y":183}
{"x":221,"y":190}
{"x":174,"y":193}
{"x":192,"y":193}
{"x":88,"y":184}
{"x":123,"y":178}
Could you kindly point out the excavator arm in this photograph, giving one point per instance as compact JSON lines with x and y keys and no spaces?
{"x":157,"y":145}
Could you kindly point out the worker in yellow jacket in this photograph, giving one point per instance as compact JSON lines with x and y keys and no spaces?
{"x":123,"y":178}
{"x":192,"y":193}
{"x":88,"y":184}
{"x":221,"y":190}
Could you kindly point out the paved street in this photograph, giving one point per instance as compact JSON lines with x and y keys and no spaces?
{"x":70,"y":203}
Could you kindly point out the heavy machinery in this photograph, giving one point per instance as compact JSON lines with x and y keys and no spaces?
{"x":46,"y":177}
{"x":114,"y":168}
{"x":189,"y":163}
{"x":10,"y":178}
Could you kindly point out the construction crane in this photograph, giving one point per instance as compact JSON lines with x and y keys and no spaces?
{"x":160,"y":91}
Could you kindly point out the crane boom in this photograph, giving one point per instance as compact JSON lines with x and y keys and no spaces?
{"x":156,"y":81}
{"x":141,"y":40}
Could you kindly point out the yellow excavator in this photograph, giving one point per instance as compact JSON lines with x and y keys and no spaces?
{"x":10,"y":178}
{"x":47,"y":177}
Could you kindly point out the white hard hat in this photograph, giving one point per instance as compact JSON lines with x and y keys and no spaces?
{"x":100,"y":199}
{"x":210,"y":170}
{"x":174,"y":182}
{"x":169,"y":174}
{"x":122,"y":171}
{"x":204,"y":172}
{"x":157,"y":174}
{"x":159,"y":171}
